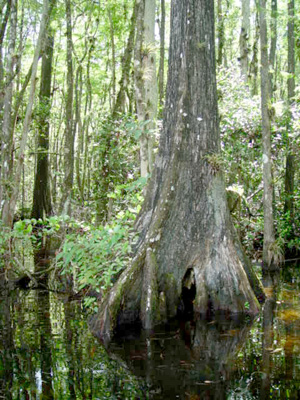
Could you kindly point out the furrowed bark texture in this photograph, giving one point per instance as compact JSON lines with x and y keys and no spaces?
{"x":184,"y":224}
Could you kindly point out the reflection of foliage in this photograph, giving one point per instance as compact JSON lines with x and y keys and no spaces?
{"x":63,"y":346}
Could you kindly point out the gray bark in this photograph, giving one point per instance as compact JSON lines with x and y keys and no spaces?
{"x":41,"y":193}
{"x":162,"y":29}
{"x":124,"y":82}
{"x":185,"y":227}
{"x":290,"y":158}
{"x":254,"y":61}
{"x":7,"y":124}
{"x":146,"y":82}
{"x":269,"y":234}
{"x":272,"y":55}
{"x":10,"y":203}
{"x":244,"y":38}
{"x":69,"y":131}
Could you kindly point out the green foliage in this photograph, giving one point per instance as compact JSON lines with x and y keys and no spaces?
{"x":240,"y":123}
{"x":96,"y":256}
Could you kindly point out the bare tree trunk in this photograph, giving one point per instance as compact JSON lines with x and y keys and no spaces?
{"x":10,"y":203}
{"x":113,"y":57}
{"x":146,"y":82}
{"x":221,"y":32}
{"x":269,"y":235}
{"x":272,"y":55}
{"x":162,"y":29}
{"x":7,"y":124}
{"x":124,"y":82}
{"x":290,"y":158}
{"x":41,"y":194}
{"x":79,"y":129}
{"x":3,"y":27}
{"x":244,"y":39}
{"x":69,"y":131}
{"x":254,"y":61}
{"x":186,"y":239}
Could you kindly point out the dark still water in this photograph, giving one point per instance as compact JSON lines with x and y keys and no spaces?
{"x":47,"y":352}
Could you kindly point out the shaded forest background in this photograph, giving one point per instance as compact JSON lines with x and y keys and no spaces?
{"x":81,"y":103}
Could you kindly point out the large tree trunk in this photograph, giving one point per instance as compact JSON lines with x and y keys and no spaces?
{"x":186,"y":241}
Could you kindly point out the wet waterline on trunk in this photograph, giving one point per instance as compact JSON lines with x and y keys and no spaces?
{"x":47,"y":352}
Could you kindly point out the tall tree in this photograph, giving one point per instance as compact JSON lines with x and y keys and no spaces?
{"x":145,"y":81}
{"x":290,"y":158}
{"x":7,"y":122}
{"x":41,"y":193}
{"x":272,"y":55}
{"x":124,"y":83}
{"x":69,"y":129}
{"x":244,"y":38}
{"x":253,"y":71}
{"x":220,"y":32}
{"x":162,"y":33}
{"x":15,"y":175}
{"x":186,"y":238}
{"x":269,"y":234}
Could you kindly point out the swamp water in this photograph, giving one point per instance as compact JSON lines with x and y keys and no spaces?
{"x":47,"y":352}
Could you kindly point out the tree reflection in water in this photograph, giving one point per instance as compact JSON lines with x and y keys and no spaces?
{"x":47,"y":351}
{"x":192,"y":358}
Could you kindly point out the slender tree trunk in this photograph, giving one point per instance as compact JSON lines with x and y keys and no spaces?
{"x":69,"y":131}
{"x":269,"y":235}
{"x":244,"y":39}
{"x":113,"y":57}
{"x":186,"y":240}
{"x":2,"y":93}
{"x":7,"y":124}
{"x":272,"y":55}
{"x":162,"y":32}
{"x":10,"y":202}
{"x":79,"y":128}
{"x":146,"y":82}
{"x":254,"y":60}
{"x":88,"y":110}
{"x":221,"y":32}
{"x":41,"y":194}
{"x":124,"y":83}
{"x":290,"y":158}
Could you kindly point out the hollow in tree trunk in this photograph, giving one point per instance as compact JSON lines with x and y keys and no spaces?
{"x":186,"y":244}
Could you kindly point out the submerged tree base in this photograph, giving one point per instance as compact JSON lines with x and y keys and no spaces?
{"x":187,"y":254}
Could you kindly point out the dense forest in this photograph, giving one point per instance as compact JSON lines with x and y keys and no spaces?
{"x":84,"y":100}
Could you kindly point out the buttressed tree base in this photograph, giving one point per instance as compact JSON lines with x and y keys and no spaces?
{"x":186,"y":238}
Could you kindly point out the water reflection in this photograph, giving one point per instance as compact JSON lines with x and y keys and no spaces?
{"x":47,"y":352}
{"x":189,"y":359}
